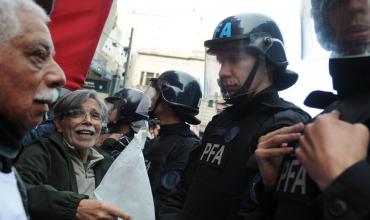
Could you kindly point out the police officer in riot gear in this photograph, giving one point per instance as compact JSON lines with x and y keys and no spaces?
{"x":248,"y":54}
{"x":326,"y":176}
{"x":123,"y":121}
{"x":174,"y":99}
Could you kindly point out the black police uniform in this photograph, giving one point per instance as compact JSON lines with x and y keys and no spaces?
{"x":114,"y":147}
{"x":166,"y":157}
{"x":125,"y":102}
{"x":348,"y":197}
{"x":217,"y":176}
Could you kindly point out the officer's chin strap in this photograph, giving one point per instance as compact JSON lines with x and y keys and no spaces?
{"x":244,"y":90}
{"x":251,"y":77}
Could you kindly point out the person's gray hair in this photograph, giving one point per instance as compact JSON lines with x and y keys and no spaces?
{"x":9,"y":22}
{"x":75,"y":99}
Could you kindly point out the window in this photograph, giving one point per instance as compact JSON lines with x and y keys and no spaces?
{"x":149,"y":75}
{"x":146,"y":76}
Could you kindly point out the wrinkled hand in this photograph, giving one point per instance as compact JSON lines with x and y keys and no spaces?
{"x":89,"y":209}
{"x":329,"y":146}
{"x":271,"y":150}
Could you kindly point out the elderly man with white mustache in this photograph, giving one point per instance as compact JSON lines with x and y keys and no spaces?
{"x":62,"y":170}
{"x":29,"y":77}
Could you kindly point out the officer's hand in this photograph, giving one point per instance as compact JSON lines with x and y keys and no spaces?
{"x":89,"y":209}
{"x":329,"y":146}
{"x":271,"y":150}
{"x":115,"y":136}
{"x":100,"y":140}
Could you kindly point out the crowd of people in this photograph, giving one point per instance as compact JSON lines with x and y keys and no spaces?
{"x":260,"y":158}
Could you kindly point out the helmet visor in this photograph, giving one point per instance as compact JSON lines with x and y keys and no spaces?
{"x":211,"y":89}
{"x":149,"y":99}
{"x":342,"y":28}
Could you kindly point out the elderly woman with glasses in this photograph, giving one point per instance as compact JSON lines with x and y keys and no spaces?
{"x":63,"y":169}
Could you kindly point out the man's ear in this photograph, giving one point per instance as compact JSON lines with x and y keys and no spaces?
{"x":58,"y":124}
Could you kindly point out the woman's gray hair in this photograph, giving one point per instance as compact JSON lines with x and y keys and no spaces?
{"x":75,"y":99}
{"x":9,"y":22}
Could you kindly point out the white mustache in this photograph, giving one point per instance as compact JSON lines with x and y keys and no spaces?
{"x":50,"y":95}
{"x":92,"y":129}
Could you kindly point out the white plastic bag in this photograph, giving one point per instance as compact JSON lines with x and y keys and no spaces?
{"x":126,"y":183}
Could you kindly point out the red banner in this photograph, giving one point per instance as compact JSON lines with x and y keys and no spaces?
{"x":76,"y":26}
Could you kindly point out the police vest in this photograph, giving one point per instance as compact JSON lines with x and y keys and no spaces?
{"x":221,"y":176}
{"x":297,"y":194}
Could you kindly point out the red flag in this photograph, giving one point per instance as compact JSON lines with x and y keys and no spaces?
{"x":76,"y":27}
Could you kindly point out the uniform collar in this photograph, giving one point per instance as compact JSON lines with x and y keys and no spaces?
{"x":173,"y":128}
{"x":349,"y":76}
